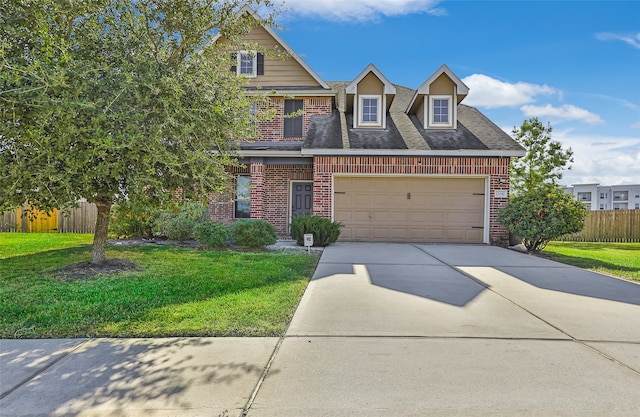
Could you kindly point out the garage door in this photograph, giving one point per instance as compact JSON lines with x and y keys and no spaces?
{"x":410,"y":209}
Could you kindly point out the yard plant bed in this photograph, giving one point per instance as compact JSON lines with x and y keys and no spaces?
{"x":619,"y":259}
{"x":172,"y":292}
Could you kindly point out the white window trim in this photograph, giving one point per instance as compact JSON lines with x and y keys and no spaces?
{"x":429,"y":109}
{"x":361,"y":99}
{"x":254,"y":69}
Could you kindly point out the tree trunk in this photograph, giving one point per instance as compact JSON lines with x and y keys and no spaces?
{"x":98,"y":254}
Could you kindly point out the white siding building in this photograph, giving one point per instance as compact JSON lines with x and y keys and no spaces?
{"x":606,"y":197}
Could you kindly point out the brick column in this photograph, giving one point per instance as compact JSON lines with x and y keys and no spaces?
{"x":322,"y":187}
{"x":256,"y":181}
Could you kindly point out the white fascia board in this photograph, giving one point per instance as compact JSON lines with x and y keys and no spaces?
{"x":285,"y":93}
{"x":462,"y":87}
{"x":268,"y":153}
{"x":389,"y":88}
{"x":412,"y":152}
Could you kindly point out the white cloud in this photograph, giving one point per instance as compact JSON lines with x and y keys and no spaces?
{"x":488,"y":92}
{"x":598,"y":159}
{"x":630,"y":39}
{"x":361,"y":10}
{"x":564,"y":112}
{"x":635,"y":125}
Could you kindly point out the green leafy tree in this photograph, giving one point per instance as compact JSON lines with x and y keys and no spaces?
{"x":544,"y":161}
{"x":111,"y":100}
{"x":543,"y":214}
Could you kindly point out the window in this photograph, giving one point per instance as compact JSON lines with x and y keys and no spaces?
{"x":637,"y":206}
{"x":248,"y":63}
{"x":584,"y":196}
{"x":293,"y":125}
{"x":602,"y":206}
{"x":441,"y":112}
{"x":620,"y":206}
{"x":637,"y":195}
{"x":621,"y":195}
{"x":603,"y":195}
{"x":370,"y":113}
{"x":242,"y":209}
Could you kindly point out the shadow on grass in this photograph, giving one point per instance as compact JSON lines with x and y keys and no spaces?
{"x":33,"y":303}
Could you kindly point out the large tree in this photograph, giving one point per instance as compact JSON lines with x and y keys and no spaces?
{"x":544,"y":161}
{"x":118,"y":99}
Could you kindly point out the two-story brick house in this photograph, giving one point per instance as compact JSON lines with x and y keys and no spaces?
{"x":389,"y":162}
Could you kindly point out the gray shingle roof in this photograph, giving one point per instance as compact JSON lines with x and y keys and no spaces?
{"x":475,"y":132}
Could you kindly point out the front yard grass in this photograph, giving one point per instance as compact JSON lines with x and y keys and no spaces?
{"x":619,"y":259}
{"x":175,"y":292}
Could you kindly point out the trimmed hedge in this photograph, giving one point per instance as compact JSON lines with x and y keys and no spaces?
{"x":211,"y":234}
{"x":253,"y":233}
{"x":325,"y":231}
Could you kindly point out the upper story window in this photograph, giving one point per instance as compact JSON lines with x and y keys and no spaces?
{"x":293,"y":120}
{"x":603,"y":195}
{"x":621,"y":195}
{"x":584,"y":196}
{"x":441,"y":111}
{"x":370,"y":113}
{"x":248,"y":63}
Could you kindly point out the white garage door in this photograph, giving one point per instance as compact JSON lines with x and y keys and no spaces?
{"x":410,"y":209}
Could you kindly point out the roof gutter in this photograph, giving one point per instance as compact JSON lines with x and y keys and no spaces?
{"x":413,"y":152}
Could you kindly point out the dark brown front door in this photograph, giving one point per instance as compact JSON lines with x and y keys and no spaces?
{"x":301,"y":198}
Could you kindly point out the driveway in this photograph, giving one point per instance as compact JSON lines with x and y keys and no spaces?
{"x":464,"y":330}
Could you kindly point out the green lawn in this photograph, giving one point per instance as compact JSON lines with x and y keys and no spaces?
{"x":176,"y":292}
{"x":619,"y":259}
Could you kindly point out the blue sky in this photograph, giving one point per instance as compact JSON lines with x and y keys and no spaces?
{"x":575,"y":64}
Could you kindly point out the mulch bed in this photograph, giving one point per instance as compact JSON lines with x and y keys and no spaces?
{"x":87,"y":270}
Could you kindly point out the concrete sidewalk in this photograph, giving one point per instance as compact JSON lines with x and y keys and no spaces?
{"x":130,"y":377}
{"x":382,"y":330}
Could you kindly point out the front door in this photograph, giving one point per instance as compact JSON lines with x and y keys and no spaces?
{"x":301,"y":198}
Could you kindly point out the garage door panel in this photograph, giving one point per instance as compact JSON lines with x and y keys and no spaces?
{"x":411,"y":208}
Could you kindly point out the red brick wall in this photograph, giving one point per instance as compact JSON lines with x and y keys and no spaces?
{"x":273,"y":130}
{"x":270,"y":194}
{"x":496,"y":168}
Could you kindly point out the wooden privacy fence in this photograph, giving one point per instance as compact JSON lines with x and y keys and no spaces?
{"x":609,"y":226}
{"x":76,"y":220}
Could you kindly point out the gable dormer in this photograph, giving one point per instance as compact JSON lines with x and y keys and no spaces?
{"x":435,"y":102}
{"x":369,"y":97}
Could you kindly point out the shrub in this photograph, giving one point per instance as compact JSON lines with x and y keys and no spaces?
{"x":253,"y":233}
{"x":211,"y":234}
{"x":177,"y":222}
{"x":542,"y":215}
{"x":325,"y":231}
{"x":131,"y":219}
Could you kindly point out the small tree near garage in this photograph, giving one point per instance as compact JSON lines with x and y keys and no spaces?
{"x":539,"y":211}
{"x":118,"y":99}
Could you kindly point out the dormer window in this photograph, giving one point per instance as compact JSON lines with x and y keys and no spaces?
{"x":370,"y":110}
{"x":440,"y":111}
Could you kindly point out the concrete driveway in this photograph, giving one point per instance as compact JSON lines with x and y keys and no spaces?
{"x":456,"y":330}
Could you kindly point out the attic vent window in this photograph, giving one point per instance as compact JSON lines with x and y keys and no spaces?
{"x":248,"y":63}
{"x":370,"y":110}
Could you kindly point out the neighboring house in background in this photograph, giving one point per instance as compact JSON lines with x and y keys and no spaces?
{"x":606,"y":197}
{"x":389,"y":162}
